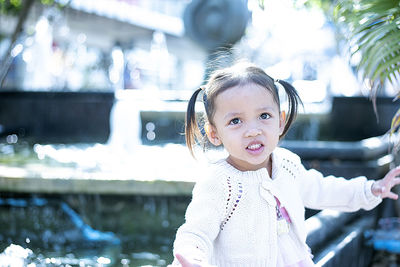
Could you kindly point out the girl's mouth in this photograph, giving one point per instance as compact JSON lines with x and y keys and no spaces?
{"x":255,"y":148}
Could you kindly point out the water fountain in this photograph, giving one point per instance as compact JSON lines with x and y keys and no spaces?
{"x":54,"y":189}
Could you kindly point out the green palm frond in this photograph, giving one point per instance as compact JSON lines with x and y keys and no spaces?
{"x":372,"y":28}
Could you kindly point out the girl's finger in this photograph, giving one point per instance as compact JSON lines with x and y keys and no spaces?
{"x":396,"y":181}
{"x":392,"y":183}
{"x":394,"y":172}
{"x":184,"y":262}
{"x":392,"y":195}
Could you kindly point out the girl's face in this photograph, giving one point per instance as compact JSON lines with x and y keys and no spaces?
{"x":247,"y":121}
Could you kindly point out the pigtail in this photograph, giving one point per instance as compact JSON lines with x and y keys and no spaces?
{"x":294,"y":102}
{"x":192,"y":130}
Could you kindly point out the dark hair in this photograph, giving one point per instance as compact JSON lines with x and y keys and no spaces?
{"x":238,"y":75}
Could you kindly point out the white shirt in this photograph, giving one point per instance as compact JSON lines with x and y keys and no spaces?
{"x":231,"y":220}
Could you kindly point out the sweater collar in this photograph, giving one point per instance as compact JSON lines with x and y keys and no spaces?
{"x":260,"y":175}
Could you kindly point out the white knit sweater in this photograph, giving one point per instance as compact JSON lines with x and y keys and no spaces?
{"x":231,"y":220}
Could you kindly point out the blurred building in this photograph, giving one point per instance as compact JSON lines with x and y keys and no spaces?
{"x":105,"y":45}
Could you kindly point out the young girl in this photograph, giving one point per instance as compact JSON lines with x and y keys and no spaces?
{"x":249,"y":209}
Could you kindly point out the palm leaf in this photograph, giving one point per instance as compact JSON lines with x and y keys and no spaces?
{"x":372,"y":27}
{"x":395,"y":122}
{"x":387,"y":67}
{"x":369,"y":37}
{"x":384,"y":57}
{"x":376,"y":53}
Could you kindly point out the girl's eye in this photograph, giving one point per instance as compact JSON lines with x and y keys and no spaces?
{"x":234,"y":121}
{"x":265,"y":116}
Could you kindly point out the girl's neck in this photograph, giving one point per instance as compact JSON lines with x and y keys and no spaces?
{"x":267,"y":164}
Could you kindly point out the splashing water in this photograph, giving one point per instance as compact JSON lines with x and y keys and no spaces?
{"x":15,"y":256}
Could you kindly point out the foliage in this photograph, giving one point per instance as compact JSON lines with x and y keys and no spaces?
{"x":13,"y":7}
{"x":373,"y":31}
{"x":20,"y":9}
{"x":371,"y":28}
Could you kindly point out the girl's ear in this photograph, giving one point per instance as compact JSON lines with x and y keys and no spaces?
{"x":212,"y":135}
{"x":282,"y":122}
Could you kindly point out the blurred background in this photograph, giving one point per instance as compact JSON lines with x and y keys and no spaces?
{"x":93,"y":168}
{"x":105,"y":46}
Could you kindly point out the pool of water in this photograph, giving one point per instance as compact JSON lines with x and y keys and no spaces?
{"x":90,"y":230}
{"x":93,"y":229}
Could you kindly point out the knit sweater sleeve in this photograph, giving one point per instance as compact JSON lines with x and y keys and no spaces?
{"x":330,"y":192}
{"x":194,"y":239}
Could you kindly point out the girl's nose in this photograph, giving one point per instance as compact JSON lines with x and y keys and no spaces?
{"x":253,"y":132}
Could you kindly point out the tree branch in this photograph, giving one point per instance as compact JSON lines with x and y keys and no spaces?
{"x":7,"y":59}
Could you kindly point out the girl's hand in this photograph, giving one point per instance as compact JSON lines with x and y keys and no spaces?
{"x":384,"y":186}
{"x":185,"y":263}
